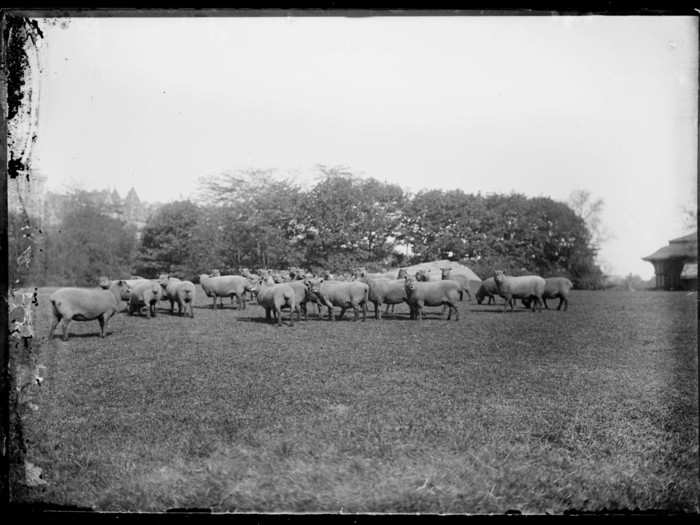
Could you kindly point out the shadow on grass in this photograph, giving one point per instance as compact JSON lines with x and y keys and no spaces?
{"x":262,"y":320}
{"x":498,"y":311}
{"x":58,"y":337}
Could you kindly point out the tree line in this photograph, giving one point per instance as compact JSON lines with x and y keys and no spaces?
{"x":256,"y":219}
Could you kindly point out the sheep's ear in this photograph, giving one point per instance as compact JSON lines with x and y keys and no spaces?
{"x":121,"y":282}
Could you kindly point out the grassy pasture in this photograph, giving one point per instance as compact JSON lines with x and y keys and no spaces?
{"x":588,"y":409}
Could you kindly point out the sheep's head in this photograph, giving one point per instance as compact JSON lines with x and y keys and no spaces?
{"x":314,"y":285}
{"x":499,"y":276}
{"x":410,"y":284}
{"x":402,"y":273}
{"x":445,"y":272}
{"x":422,"y":275}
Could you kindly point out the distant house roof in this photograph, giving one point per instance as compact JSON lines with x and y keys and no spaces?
{"x":690,"y":271}
{"x":691,"y":237}
{"x":686,"y":246}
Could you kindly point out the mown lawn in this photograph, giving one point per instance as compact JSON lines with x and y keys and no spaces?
{"x":594,"y":408}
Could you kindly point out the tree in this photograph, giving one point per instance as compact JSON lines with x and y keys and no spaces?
{"x":87,"y":244}
{"x":259,"y":215}
{"x":590,"y":210}
{"x":180,"y":239}
{"x":346,"y":220}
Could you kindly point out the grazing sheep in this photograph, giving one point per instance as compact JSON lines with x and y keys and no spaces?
{"x":436,"y":293}
{"x":522,"y":287}
{"x":487,"y":289}
{"x":555,"y":287}
{"x":87,"y":304}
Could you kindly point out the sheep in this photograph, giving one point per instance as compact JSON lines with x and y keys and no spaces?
{"x":526,"y":286}
{"x":275,"y":296}
{"x":225,"y":286}
{"x":144,"y":297}
{"x":461,"y":279}
{"x":180,"y":292}
{"x":436,"y":293}
{"x":85,"y":304}
{"x":352,"y":294}
{"x":487,"y":288}
{"x":555,"y":287}
{"x":384,"y":291}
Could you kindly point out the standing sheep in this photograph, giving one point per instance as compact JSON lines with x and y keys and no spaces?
{"x":87,"y":304}
{"x":435,"y":293}
{"x":522,"y":287}
{"x":180,"y":292}
{"x":275,"y":296}
{"x":144,"y":297}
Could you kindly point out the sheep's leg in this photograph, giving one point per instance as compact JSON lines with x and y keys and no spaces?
{"x":563,"y":300}
{"x":291,"y":313}
{"x":342,"y":313}
{"x":101,"y":320}
{"x":331,"y":317}
{"x":278,"y":315}
{"x":453,"y":306}
{"x":213,"y":305}
{"x":242,"y":301}
{"x":544,"y":300}
{"x":54,"y":322}
{"x":537,"y":304}
{"x":377,"y":311}
{"x":65,"y":323}
{"x":172,"y":306}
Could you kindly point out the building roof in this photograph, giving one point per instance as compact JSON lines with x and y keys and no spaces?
{"x":691,"y":237}
{"x":690,"y":271}
{"x":682,"y":247}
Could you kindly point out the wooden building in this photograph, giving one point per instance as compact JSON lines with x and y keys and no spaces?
{"x":676,"y":265}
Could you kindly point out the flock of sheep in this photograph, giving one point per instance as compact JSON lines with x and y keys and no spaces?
{"x":295,"y":289}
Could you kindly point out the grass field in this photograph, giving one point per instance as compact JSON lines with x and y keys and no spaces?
{"x":594,"y":408}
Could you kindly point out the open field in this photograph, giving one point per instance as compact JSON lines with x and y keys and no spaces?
{"x":588,"y":409}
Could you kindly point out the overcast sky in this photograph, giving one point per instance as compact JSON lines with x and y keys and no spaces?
{"x":537,"y":105}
